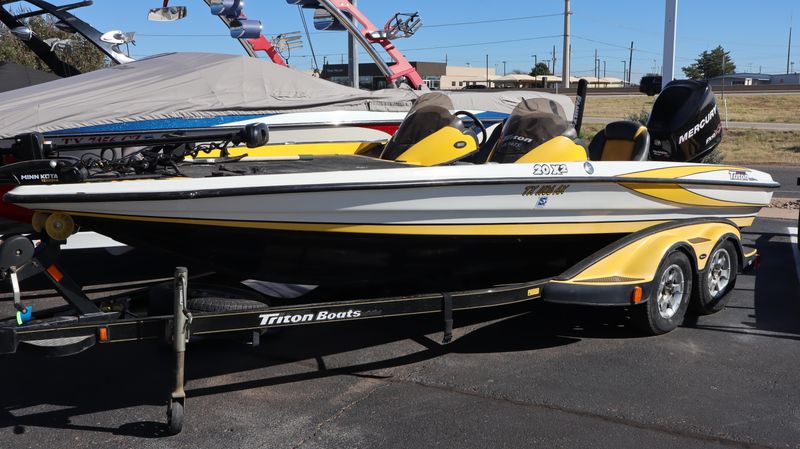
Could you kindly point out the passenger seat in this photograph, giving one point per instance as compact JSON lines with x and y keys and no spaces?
{"x":620,"y":141}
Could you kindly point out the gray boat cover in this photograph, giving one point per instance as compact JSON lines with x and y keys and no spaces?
{"x":203,"y":85}
{"x":15,"y":76}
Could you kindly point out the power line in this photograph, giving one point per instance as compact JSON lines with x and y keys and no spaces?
{"x":624,"y":47}
{"x":510,"y":19}
{"x":477,"y":44}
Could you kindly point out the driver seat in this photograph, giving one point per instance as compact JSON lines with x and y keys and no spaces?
{"x":431,"y":135}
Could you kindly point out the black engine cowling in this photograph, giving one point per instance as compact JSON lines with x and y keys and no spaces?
{"x":685,"y":124}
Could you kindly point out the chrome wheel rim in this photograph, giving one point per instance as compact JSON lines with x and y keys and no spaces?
{"x":670,"y":291}
{"x":718,"y":272}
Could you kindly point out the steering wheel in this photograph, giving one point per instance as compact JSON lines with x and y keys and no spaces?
{"x":475,"y":123}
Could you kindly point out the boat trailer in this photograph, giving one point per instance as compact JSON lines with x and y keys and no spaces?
{"x":605,"y":278}
{"x":111,"y":320}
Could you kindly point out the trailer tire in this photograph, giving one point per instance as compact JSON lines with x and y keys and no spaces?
{"x":175,"y":414}
{"x":672,"y":286}
{"x":716,"y":281}
{"x":222,"y":304}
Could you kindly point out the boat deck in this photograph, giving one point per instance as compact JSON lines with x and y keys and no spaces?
{"x":307,"y":164}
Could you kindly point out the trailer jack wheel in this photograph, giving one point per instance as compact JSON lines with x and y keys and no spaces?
{"x":175,"y":415}
{"x":181,"y":321}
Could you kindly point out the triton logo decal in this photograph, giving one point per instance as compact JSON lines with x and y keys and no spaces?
{"x":696,"y":128}
{"x":268,"y":319}
{"x":739,"y":175}
{"x":518,"y":139}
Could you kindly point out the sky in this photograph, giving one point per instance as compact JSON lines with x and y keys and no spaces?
{"x":463,"y":32}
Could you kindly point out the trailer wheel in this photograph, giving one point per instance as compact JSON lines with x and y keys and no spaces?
{"x":672,"y":287}
{"x":222,"y":304}
{"x":712,"y":292}
{"x":175,"y":417}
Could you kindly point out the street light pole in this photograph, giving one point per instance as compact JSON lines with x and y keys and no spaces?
{"x":624,"y":71}
{"x":352,"y":58}
{"x":670,"y":32}
{"x":567,"y":50}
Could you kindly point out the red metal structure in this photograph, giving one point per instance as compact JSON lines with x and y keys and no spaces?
{"x":349,"y":18}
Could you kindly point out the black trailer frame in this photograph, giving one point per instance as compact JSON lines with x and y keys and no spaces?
{"x":107,"y":320}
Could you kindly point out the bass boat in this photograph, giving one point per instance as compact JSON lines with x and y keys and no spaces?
{"x":434,"y":206}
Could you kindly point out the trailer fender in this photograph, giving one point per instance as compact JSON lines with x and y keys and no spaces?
{"x":610,"y":276}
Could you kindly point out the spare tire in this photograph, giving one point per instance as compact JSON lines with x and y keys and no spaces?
{"x":222,"y":304}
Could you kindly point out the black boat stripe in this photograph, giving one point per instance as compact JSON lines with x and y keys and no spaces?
{"x":178,"y":220}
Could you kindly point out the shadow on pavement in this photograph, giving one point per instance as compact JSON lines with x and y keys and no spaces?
{"x":777,"y":298}
{"x":776,"y":306}
{"x":115,"y":377}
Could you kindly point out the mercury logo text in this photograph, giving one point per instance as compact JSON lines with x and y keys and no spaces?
{"x":696,"y":128}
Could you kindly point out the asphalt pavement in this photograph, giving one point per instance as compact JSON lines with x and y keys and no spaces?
{"x":535,"y":376}
{"x":786,"y":175}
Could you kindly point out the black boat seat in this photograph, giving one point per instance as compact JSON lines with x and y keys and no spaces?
{"x":431,"y":135}
{"x":620,"y":141}
{"x":536,"y":133}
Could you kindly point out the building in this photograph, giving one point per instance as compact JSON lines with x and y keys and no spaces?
{"x":371,"y":77}
{"x":440,"y":76}
{"x":437,"y":75}
{"x":754,"y":79}
{"x":456,"y":77}
{"x":740,"y":79}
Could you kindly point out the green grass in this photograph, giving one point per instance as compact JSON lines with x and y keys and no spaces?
{"x":744,"y":146}
{"x":738,"y":108}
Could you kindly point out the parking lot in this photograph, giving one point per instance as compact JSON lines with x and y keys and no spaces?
{"x":536,"y":375}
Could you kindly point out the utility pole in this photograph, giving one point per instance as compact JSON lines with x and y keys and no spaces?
{"x":504,"y":68}
{"x":567,"y":48}
{"x":604,"y":68}
{"x":789,"y":52}
{"x":596,"y":69}
{"x":554,"y":59}
{"x":487,"y":71}
{"x":670,"y":31}
{"x":630,"y":64}
{"x":624,"y":71}
{"x":352,"y":56}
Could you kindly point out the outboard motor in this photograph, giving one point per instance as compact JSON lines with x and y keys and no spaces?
{"x":685,"y":124}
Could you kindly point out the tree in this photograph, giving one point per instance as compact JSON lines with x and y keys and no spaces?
{"x":78,"y":52}
{"x":711,"y":64}
{"x":540,"y":69}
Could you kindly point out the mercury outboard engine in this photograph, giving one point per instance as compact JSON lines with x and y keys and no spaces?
{"x":685,"y":124}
